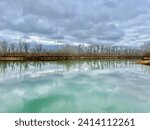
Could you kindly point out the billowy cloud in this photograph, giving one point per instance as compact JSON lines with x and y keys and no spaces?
{"x":123,"y":22}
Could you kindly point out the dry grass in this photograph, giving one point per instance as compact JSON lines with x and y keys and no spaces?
{"x":144,"y":62}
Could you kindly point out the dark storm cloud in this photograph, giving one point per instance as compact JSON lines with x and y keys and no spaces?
{"x":90,"y":21}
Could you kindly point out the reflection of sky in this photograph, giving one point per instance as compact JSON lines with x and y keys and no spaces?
{"x":124,"y":88}
{"x":10,"y":70}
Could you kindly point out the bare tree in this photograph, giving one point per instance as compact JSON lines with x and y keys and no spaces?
{"x":4,"y":47}
{"x":38,"y":48}
{"x":26,"y":47}
{"x":20,"y":47}
{"x":12,"y":47}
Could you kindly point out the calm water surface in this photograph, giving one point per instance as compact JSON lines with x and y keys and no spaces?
{"x":74,"y":86}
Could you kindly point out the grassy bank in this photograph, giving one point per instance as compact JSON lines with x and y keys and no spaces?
{"x":44,"y":57}
{"x":144,"y":62}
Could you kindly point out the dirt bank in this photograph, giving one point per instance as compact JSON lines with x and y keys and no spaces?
{"x":144,"y":62}
{"x":57,"y":58}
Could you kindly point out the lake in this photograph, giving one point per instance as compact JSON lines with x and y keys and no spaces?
{"x":74,"y":86}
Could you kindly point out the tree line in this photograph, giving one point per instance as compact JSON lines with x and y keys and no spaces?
{"x":23,"y":48}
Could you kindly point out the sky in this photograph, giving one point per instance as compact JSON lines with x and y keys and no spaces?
{"x":119,"y":22}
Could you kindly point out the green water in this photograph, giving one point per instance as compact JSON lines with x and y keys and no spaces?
{"x":74,"y":86}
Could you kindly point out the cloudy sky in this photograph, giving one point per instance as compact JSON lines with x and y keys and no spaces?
{"x":125,"y":22}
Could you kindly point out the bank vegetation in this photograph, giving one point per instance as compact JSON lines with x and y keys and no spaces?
{"x":37,"y":52}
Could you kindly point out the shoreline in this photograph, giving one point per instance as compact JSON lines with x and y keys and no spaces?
{"x":144,"y":62}
{"x":61,"y":57}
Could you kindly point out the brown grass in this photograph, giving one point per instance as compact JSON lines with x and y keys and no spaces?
{"x":48,"y":57}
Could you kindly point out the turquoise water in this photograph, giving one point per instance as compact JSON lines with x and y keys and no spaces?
{"x":74,"y":86}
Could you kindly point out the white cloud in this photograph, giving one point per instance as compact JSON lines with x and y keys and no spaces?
{"x":91,"y":21}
